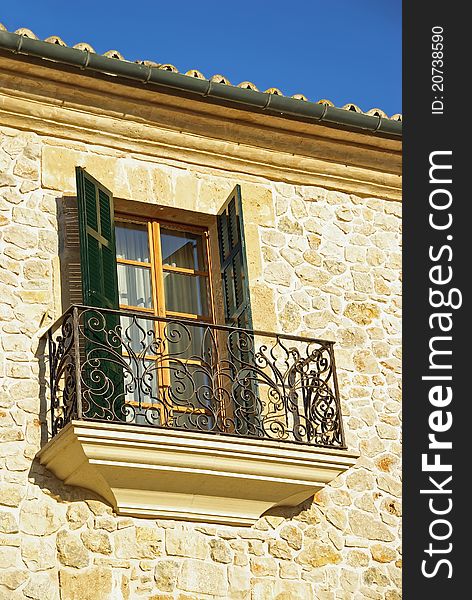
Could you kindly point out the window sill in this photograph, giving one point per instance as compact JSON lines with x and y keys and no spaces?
{"x":158,"y":473}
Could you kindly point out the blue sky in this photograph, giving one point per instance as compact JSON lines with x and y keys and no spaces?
{"x":343,"y":50}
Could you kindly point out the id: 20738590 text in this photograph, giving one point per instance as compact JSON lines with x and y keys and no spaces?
{"x":437,"y":70}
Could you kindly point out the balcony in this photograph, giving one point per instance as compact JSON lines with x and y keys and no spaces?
{"x":183,"y":419}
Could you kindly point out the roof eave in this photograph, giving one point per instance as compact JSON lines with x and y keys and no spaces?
{"x":203,"y":88}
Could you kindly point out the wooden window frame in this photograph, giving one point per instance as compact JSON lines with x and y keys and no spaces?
{"x":157,"y":270}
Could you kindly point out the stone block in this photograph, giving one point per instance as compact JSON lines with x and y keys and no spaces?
{"x":220,"y":551}
{"x":71,"y":551}
{"x":161,"y":187}
{"x":9,"y":557}
{"x":41,"y":586}
{"x":125,"y":543}
{"x":290,"y":317}
{"x":362,"y":313}
{"x":10,"y":495}
{"x":186,"y":194}
{"x":13,"y":578}
{"x":278,"y":273}
{"x":77,"y":514}
{"x":166,"y":574}
{"x":185,"y":543}
{"x":149,"y":541}
{"x":374,"y":576}
{"x":317,"y":554}
{"x":365,"y":526}
{"x":38,"y":554}
{"x":280,"y":549}
{"x":212,"y":193}
{"x":263,"y":307}
{"x":26,"y":169}
{"x":99,"y":508}
{"x":96,"y":541}
{"x":253,"y":251}
{"x":357,"y":558}
{"x":360,"y":480}
{"x":263,"y":566}
{"x":201,"y":577}
{"x":239,"y":579}
{"x":281,"y":590}
{"x":382,"y":553}
{"x":258,"y":204}
{"x":366,"y":362}
{"x":312,"y":276}
{"x":58,"y":167}
{"x":92,"y":584}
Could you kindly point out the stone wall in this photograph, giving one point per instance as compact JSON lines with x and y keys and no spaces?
{"x":329,"y":265}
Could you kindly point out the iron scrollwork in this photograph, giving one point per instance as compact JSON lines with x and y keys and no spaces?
{"x":129,"y":367}
{"x":62,"y":373}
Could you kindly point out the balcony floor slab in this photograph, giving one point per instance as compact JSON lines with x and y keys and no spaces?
{"x":166,"y":473}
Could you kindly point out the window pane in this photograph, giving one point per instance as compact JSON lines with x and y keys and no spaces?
{"x":132,"y":242}
{"x":134,"y":286}
{"x":182,"y":249}
{"x":186,"y":293}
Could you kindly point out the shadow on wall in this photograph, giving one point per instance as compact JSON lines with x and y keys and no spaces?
{"x":289,"y":512}
{"x":43,"y":388}
{"x":69,"y":251}
{"x":56,"y":489}
{"x":38,"y":474}
{"x":71,"y":293}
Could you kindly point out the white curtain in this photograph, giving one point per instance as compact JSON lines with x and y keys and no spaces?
{"x":183,"y":292}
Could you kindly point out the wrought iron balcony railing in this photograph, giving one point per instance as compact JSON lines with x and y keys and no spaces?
{"x":130,"y":367}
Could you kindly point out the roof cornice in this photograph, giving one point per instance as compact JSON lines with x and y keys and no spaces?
{"x":24,"y":44}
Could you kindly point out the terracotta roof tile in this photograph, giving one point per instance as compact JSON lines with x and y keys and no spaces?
{"x":195,"y":73}
{"x":27,"y":33}
{"x":55,"y":39}
{"x":273,"y":90}
{"x":115,"y":54}
{"x":248,"y":85}
{"x":324,"y":101}
{"x":300,"y":97}
{"x":83,"y":46}
{"x":377,"y":112}
{"x":353,"y":107}
{"x":220,"y":79}
{"x":168,"y":67}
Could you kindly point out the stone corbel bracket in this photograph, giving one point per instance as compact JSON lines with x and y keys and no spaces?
{"x":159,"y":473}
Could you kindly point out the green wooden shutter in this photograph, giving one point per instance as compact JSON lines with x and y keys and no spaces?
{"x":234,"y":273}
{"x":97,"y":242}
{"x":102,"y":375}
{"x":237,"y":305}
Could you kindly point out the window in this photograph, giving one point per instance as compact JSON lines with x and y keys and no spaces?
{"x":156,"y":258}
{"x":163,"y":371}
{"x":164,"y":270}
